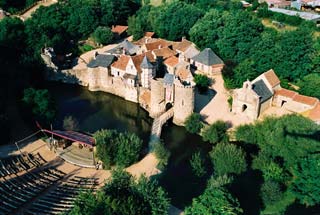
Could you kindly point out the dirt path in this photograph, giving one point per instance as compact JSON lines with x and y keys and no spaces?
{"x":29,"y":12}
{"x":215,"y":106}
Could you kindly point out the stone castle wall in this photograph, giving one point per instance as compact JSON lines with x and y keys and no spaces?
{"x":157,"y":103}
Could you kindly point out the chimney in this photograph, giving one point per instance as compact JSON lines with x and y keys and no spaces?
{"x":95,"y":55}
{"x":159,"y":47}
{"x":183,"y":39}
{"x":124,"y":51}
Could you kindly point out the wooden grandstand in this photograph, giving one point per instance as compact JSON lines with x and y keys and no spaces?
{"x":27,"y":186}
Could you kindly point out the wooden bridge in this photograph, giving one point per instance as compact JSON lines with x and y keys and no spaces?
{"x":157,"y":125}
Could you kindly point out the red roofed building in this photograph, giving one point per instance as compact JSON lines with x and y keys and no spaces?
{"x":119,"y":31}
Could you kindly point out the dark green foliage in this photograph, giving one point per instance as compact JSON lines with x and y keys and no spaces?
{"x":228,"y":159}
{"x":162,"y":154}
{"x":286,"y":149}
{"x":122,"y":149}
{"x":289,"y":137}
{"x":197,"y":164}
{"x":173,"y":21}
{"x":216,"y":132}
{"x":310,"y":85}
{"x":116,"y":11}
{"x":270,"y":192}
{"x":103,"y":35}
{"x":214,"y":201}
{"x":305,"y":183}
{"x":124,"y":195}
{"x":193,"y":123}
{"x":140,"y":23}
{"x":12,"y":33}
{"x":14,"y":6}
{"x":202,"y":82}
{"x":40,"y":102}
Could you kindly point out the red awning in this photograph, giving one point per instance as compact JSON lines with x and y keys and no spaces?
{"x":73,"y":136}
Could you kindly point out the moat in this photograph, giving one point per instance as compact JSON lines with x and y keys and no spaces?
{"x":98,"y":110}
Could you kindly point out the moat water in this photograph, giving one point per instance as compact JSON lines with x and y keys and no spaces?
{"x":98,"y":110}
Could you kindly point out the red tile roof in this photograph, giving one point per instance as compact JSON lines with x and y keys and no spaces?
{"x":148,"y":34}
{"x":272,"y":78}
{"x":305,"y":100}
{"x":156,"y":45}
{"x":164,"y":52}
{"x":285,"y":93}
{"x":119,"y":29}
{"x":183,"y":46}
{"x":121,"y":63}
{"x":171,"y":61}
{"x":315,"y":113}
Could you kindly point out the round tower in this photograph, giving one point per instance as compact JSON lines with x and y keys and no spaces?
{"x":157,"y":105}
{"x":184,"y":96}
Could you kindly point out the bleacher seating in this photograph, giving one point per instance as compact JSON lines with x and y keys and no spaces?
{"x":62,"y":197}
{"x":16,"y":191}
{"x":29,"y":187}
{"x":19,"y":163}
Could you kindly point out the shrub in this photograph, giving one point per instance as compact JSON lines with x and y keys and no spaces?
{"x":122,"y":149}
{"x":103,"y":35}
{"x":228,"y":159}
{"x":197,"y":164}
{"x":202,"y":82}
{"x":219,"y":181}
{"x":193,"y":123}
{"x":270,"y":192}
{"x":216,"y":132}
{"x":162,"y":154}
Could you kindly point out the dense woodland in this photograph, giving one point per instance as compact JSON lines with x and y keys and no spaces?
{"x":283,"y":152}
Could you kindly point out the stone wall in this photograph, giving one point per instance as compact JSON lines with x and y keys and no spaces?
{"x":157,"y":103}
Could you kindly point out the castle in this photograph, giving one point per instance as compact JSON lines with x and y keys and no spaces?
{"x":257,"y":96}
{"x":156,"y":73}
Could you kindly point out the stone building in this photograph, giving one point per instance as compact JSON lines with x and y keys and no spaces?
{"x":265,"y":91}
{"x":152,"y":72}
{"x":207,"y":62}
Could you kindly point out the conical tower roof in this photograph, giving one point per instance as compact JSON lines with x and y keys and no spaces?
{"x":146,"y":63}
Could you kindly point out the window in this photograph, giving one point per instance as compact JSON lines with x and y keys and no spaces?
{"x":182,"y":102}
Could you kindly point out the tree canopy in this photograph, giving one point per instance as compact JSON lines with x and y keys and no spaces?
{"x":124,"y":195}
{"x":214,"y":201}
{"x":227,"y":158}
{"x":114,"y":148}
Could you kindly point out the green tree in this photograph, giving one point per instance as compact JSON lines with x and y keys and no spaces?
{"x":305,"y":184}
{"x":41,"y":103}
{"x":129,"y":147}
{"x":162,"y":154}
{"x":103,"y":35}
{"x":122,"y":149}
{"x":228,"y":159}
{"x":270,"y":192}
{"x":193,"y":123}
{"x":202,"y":82}
{"x":216,"y":132}
{"x":214,"y":201}
{"x":174,"y":20}
{"x":310,"y":85}
{"x":198,"y":165}
{"x":125,"y":195}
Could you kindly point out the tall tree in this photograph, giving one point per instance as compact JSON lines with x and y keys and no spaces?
{"x":214,"y":201}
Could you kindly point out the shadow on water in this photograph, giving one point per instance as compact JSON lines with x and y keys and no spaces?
{"x":98,"y":110}
{"x":178,"y":179}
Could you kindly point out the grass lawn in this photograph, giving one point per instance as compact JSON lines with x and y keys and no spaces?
{"x":268,"y":23}
{"x":85,"y":48}
{"x":158,"y":2}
